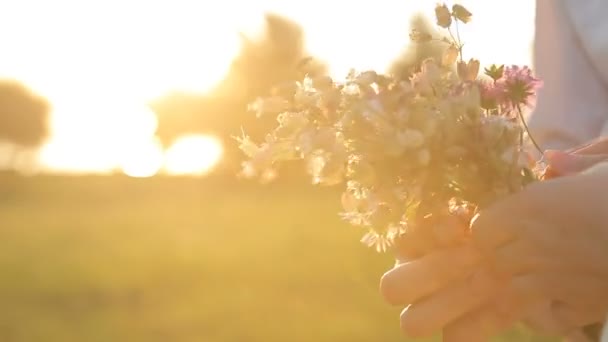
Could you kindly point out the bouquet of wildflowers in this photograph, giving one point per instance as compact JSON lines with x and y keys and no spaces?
{"x":443,"y":143}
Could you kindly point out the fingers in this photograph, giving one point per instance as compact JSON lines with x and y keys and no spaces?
{"x":446,"y":231}
{"x":577,"y":290}
{"x":541,"y":318}
{"x":577,"y":336}
{"x":431,"y":314}
{"x":493,"y":318}
{"x":490,"y":229}
{"x":562,"y":163}
{"x":576,"y":317}
{"x":450,"y":231}
{"x":479,"y":326}
{"x":519,"y":257}
{"x":556,"y":318}
{"x":413,"y":280}
{"x":523,"y":213}
{"x":597,"y":146}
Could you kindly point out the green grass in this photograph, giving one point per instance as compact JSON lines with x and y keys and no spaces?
{"x":177,"y":259}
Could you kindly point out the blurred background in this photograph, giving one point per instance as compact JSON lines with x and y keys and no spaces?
{"x":121,"y":216}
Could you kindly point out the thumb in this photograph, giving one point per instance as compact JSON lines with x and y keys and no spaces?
{"x":563,"y":163}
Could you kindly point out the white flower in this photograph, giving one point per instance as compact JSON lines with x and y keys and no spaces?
{"x":306,"y":95}
{"x":351,"y":89}
{"x":268,"y":105}
{"x":515,"y":156}
{"x":291,"y":123}
{"x":247,"y":145}
{"x":494,"y":127}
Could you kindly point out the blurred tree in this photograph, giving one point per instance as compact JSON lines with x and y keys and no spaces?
{"x":23,"y":118}
{"x":409,"y":60}
{"x":263,"y":62}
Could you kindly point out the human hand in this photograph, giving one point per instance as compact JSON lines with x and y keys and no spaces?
{"x":573,"y":161}
{"x":551,"y":239}
{"x":442,"y":291}
{"x":445,"y":283}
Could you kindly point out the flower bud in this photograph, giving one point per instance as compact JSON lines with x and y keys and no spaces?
{"x":420,"y":37}
{"x":351,"y":202}
{"x":468,"y":71}
{"x":443,"y":16}
{"x":450,"y":56}
{"x":461,"y":13}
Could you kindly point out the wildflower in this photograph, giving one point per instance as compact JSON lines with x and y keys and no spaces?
{"x":443,"y":16}
{"x":519,"y":86}
{"x":361,"y":170}
{"x":491,"y":94}
{"x":420,"y":37}
{"x":421,"y":84}
{"x":353,"y":201}
{"x":430,"y":69}
{"x":322,"y":83}
{"x":351,"y":89}
{"x":493,"y":128}
{"x":385,"y":226}
{"x":471,"y":97}
{"x":468,"y":71}
{"x":290,"y":123}
{"x":270,"y":105}
{"x":326,"y":167}
{"x":424,"y":80}
{"x":438,"y":143}
{"x":495,"y":72}
{"x":379,"y":241}
{"x":450,"y":55}
{"x":306,"y":95}
{"x":247,"y":145}
{"x":461,"y":13}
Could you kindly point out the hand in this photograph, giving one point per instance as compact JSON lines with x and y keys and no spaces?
{"x":443,"y":292}
{"x":551,"y":238}
{"x":563,"y":163}
{"x":447,"y":290}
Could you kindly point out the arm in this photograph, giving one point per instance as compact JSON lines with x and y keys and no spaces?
{"x":573,"y":103}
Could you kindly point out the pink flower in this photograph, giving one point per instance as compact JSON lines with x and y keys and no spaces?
{"x":492,"y":94}
{"x":518,"y":87}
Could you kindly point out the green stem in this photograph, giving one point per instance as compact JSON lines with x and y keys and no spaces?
{"x":456,"y":42}
{"x":523,"y":121}
{"x":458,"y":36}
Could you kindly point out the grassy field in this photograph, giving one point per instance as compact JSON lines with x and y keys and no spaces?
{"x":119,"y":259}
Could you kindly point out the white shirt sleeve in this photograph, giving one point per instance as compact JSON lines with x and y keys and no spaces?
{"x":572,"y":105}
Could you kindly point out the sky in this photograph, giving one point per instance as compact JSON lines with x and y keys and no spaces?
{"x":100,"y":62}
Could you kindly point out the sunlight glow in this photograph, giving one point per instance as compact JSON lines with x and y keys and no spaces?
{"x":144,"y":160}
{"x":99,"y":139}
{"x":193,"y":155}
{"x":100,"y":63}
